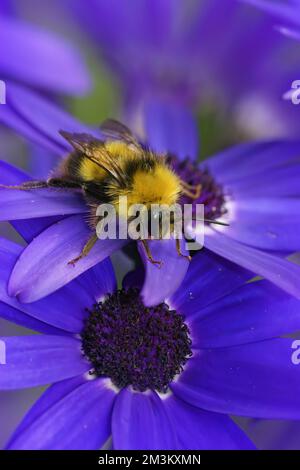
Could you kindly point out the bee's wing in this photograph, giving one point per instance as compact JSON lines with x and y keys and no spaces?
{"x":94,"y":150}
{"x":85,"y":143}
{"x":115,"y":130}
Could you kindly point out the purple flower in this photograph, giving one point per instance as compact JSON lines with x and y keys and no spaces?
{"x":254,"y":186}
{"x":40,"y":59}
{"x":211,"y":350}
{"x":225,"y":56}
{"x":286,"y":11}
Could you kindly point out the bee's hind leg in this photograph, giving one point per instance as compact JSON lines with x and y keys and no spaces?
{"x":86,"y":249}
{"x":149,"y":254}
{"x":178,"y":249}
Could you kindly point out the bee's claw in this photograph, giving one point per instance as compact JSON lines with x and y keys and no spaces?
{"x":159,"y":264}
{"x":74,"y":261}
{"x":188,"y":257}
{"x":86,"y":249}
{"x":149,"y":255}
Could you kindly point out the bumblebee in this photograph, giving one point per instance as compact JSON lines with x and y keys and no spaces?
{"x":119,"y":165}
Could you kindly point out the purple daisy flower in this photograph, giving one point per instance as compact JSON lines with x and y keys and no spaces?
{"x":39,"y":58}
{"x":171,"y":51}
{"x":287,"y":11}
{"x":221,"y":338}
{"x":254,"y":186}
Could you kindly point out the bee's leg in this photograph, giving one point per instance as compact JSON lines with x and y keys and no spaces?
{"x":86,"y":249}
{"x":27,"y":185}
{"x":149,"y":255}
{"x":191,"y":191}
{"x":50,"y":183}
{"x":62,"y":183}
{"x":187,"y":185}
{"x":178,"y":249}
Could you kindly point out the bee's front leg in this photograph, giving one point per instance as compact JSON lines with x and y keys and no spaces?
{"x":192,"y":191}
{"x":86,"y":249}
{"x":149,"y":254}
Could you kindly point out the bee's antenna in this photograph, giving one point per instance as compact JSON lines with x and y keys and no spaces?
{"x":211,"y":221}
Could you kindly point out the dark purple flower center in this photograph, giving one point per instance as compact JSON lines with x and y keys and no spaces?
{"x":136,"y":345}
{"x":211,"y":195}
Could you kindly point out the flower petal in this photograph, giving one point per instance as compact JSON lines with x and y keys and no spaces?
{"x":280,"y":9}
{"x":248,"y":160}
{"x":135,"y":279}
{"x":40,"y":58}
{"x":98,"y":281}
{"x":68,"y":419}
{"x":19,"y":318}
{"x":140,"y":421}
{"x":39,"y":360}
{"x":19,"y":205}
{"x":281,"y":181}
{"x":66,"y":308}
{"x":10,"y":117}
{"x":27,"y":229}
{"x":267,"y":223}
{"x":170,"y":127}
{"x":256,"y":379}
{"x":10,"y":175}
{"x":42,"y":162}
{"x":38,"y":119}
{"x":254,"y":312}
{"x":31,"y":228}
{"x":200,"y":429}
{"x":281,"y":272}
{"x":161,"y":282}
{"x":52,"y":395}
{"x":209,"y":278}
{"x":290,"y":32}
{"x":43,"y":266}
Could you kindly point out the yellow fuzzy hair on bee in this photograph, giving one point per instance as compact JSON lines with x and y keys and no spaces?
{"x":88,"y":171}
{"x":158,"y":186}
